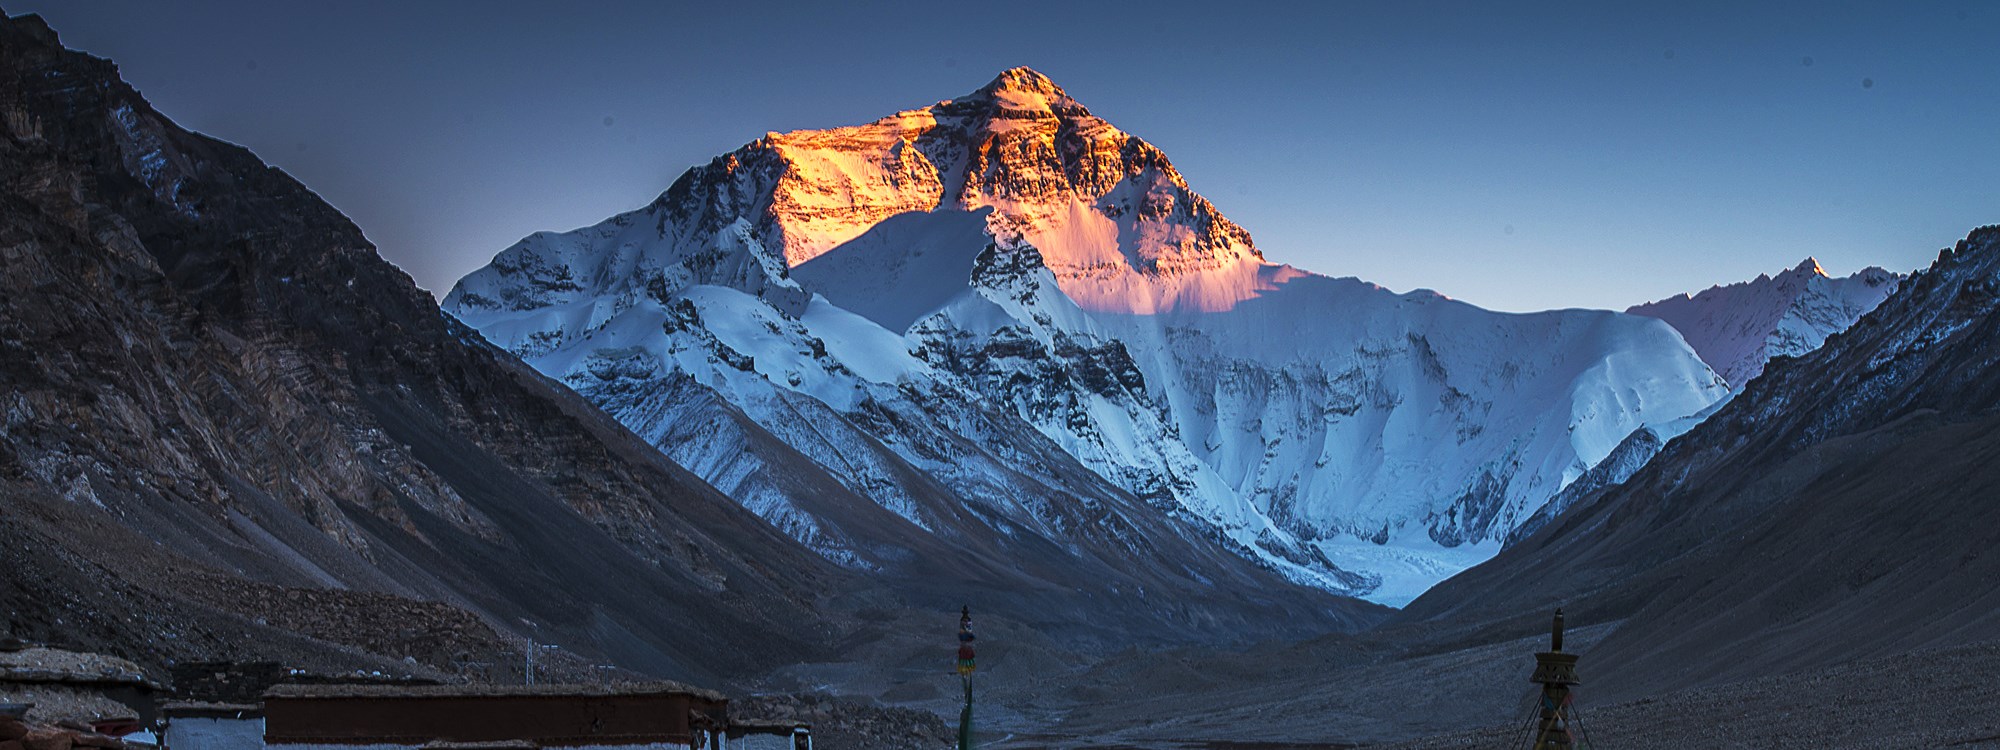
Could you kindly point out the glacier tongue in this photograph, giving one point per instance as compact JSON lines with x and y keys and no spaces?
{"x":948,"y":309}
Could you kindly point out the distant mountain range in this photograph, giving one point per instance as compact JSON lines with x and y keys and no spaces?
{"x":1842,"y":507}
{"x":1739,"y":327}
{"x":905,"y":293}
{"x":1816,"y":552}
{"x":772,"y":429}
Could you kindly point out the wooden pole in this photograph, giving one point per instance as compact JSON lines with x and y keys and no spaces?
{"x":966,"y":665}
{"x":1555,"y":671}
{"x":965,"y":717}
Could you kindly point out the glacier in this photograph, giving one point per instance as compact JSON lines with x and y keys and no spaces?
{"x":996,"y":287}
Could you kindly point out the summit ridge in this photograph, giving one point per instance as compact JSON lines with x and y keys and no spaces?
{"x":1739,"y":327}
{"x":918,"y":282}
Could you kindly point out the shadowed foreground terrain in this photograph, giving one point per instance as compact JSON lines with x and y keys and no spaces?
{"x":1820,"y":549}
{"x":229,"y":430}
{"x":1933,"y":698}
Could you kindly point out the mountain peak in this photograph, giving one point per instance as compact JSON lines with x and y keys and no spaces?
{"x":1739,"y":327}
{"x":1022,"y":78}
{"x":1024,"y":90}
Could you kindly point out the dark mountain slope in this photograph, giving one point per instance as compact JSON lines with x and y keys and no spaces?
{"x":1846,"y":505}
{"x":1837,"y":520}
{"x":194,"y":344}
{"x":204,"y":360}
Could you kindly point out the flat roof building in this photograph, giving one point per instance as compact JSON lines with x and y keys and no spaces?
{"x":652,"y":716}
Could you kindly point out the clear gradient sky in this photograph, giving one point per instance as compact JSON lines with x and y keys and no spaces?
{"x":1519,"y":156}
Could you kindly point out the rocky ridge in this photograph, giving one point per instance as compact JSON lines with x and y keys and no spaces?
{"x":1739,"y":327}
{"x":1855,"y":481}
{"x":1007,"y":257}
{"x":209,"y":372}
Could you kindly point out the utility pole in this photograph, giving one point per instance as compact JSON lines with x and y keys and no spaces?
{"x":534,"y":648}
{"x":1555,"y":671}
{"x":965,"y":666}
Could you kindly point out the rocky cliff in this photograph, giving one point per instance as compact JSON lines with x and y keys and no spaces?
{"x":210,"y":375}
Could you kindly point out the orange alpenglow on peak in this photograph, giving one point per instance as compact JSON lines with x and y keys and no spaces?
{"x":1025,"y":79}
{"x":1024,"y":89}
{"x":1113,"y":221}
{"x":1115,"y":225}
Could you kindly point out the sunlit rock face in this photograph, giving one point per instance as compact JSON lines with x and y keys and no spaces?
{"x":1113,"y":219}
{"x":1006,"y":257}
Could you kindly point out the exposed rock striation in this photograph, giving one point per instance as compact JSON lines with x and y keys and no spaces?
{"x":208,"y":372}
{"x":1008,"y":269}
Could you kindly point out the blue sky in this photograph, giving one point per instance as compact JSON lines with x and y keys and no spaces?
{"x":1519,"y":156}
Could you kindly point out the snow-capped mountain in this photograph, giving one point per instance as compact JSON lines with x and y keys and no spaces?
{"x":1855,"y":484}
{"x":996,"y":287}
{"x":1738,"y":328}
{"x":220,"y":406}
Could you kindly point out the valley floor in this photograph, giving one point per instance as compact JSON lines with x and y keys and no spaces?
{"x":1945,"y":697}
{"x":1940,"y":698}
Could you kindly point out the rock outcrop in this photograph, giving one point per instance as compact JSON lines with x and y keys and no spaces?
{"x":209,"y":372}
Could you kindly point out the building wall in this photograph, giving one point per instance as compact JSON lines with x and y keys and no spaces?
{"x":205,"y":733}
{"x":626,"y":721}
{"x":760,"y":742}
{"x":759,"y":739}
{"x":382,"y":746}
